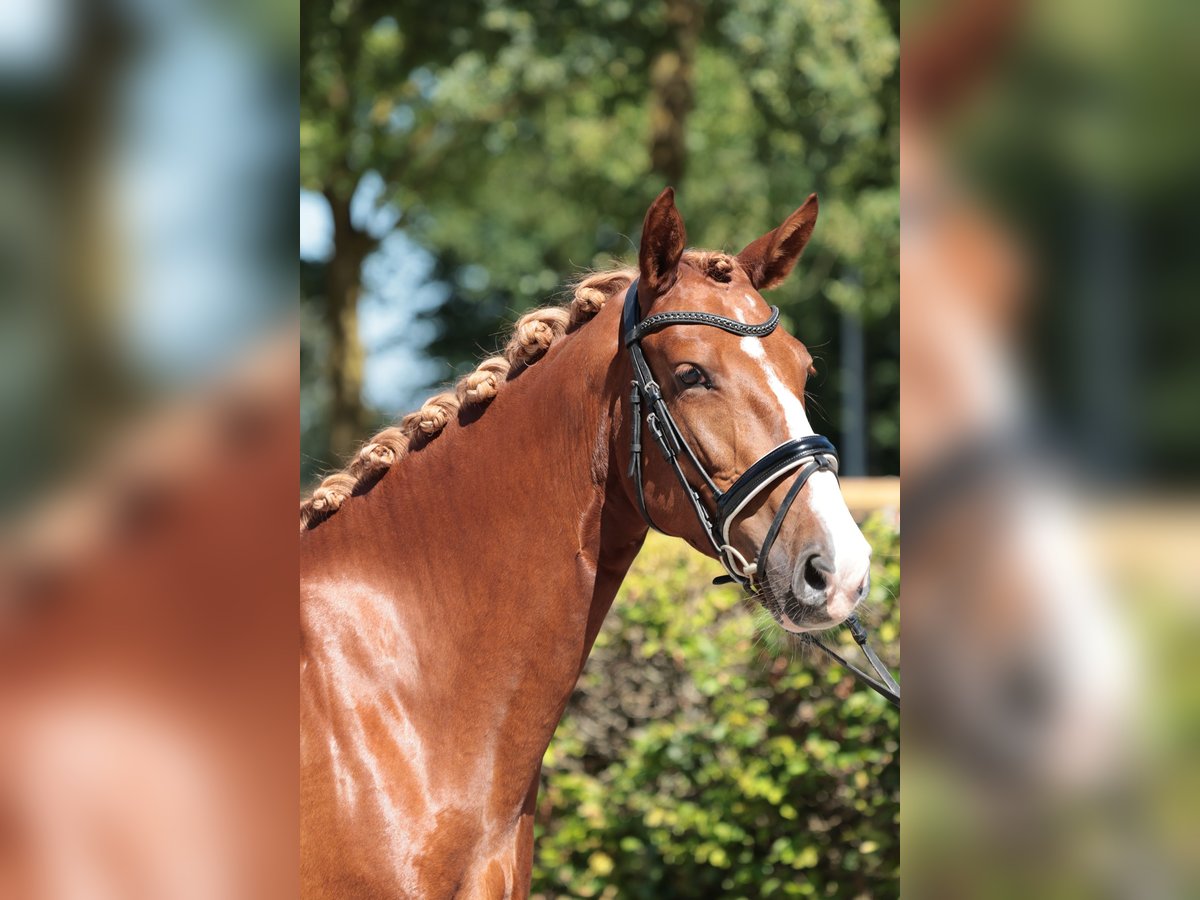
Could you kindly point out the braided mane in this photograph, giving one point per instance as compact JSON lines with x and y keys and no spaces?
{"x":534,"y":334}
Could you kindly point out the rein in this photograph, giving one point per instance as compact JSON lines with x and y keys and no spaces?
{"x":804,"y":456}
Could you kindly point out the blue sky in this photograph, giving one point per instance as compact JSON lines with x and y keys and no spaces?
{"x":396,"y":289}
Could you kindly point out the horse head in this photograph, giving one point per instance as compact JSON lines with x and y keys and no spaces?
{"x":742,"y":475}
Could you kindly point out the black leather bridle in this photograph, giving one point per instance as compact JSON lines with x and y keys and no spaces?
{"x":803,"y":456}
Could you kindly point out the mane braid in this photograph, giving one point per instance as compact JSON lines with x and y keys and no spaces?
{"x":534,"y":334}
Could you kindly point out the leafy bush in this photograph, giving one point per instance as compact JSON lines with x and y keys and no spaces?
{"x":703,"y":755}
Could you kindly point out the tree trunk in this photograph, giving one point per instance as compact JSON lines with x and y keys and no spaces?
{"x":347,"y":417}
{"x":671,"y":80}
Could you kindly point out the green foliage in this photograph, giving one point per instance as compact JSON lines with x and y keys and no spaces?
{"x":512,"y":138}
{"x":703,"y":756}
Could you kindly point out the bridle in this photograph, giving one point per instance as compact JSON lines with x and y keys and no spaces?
{"x":802,"y":456}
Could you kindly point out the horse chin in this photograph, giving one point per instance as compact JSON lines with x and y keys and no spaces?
{"x":797,"y":617}
{"x":806,"y":625}
{"x":794,"y":616}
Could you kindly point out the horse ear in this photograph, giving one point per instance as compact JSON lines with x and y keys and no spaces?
{"x":663,"y":240}
{"x":770,"y":259}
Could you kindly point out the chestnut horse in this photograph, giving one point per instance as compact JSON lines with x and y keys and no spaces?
{"x":447,"y":612}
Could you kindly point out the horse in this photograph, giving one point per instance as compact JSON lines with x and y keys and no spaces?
{"x":454,"y":577}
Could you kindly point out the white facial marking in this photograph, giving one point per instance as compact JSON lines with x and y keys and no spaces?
{"x":839,"y":534}
{"x":789,"y":404}
{"x":740,"y":313}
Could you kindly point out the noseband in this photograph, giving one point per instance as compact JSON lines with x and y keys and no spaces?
{"x":804,"y":456}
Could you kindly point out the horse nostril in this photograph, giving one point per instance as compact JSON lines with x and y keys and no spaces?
{"x":864,"y":588}
{"x":816,"y":572}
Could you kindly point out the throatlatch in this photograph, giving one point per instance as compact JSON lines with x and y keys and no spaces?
{"x":804,"y":456}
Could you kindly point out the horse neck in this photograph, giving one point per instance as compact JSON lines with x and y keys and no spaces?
{"x":482,"y":565}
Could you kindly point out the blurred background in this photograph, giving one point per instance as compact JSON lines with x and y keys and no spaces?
{"x":460,"y":164}
{"x":148,"y":407}
{"x":1050,"y":444}
{"x":143,"y":146}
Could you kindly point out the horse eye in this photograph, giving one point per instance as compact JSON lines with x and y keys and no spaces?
{"x":690,"y":376}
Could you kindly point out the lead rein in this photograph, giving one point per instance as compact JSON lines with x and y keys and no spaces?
{"x":887,"y":688}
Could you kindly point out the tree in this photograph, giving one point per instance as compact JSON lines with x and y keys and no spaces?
{"x":525,"y":139}
{"x":357,"y":62}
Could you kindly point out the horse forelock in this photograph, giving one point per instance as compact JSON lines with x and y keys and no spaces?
{"x":712,"y":264}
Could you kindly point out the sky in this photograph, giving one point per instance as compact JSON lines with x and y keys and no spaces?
{"x":396,"y":289}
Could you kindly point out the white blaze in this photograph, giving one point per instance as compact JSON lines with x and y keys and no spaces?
{"x":851,"y":554}
{"x":789,"y":404}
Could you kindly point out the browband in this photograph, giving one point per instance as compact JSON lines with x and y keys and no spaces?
{"x":634,"y":330}
{"x":733,"y":326}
